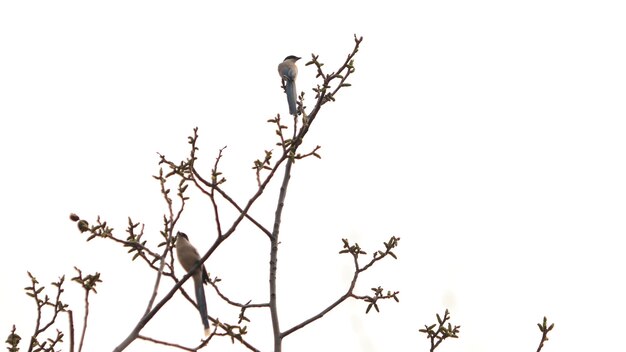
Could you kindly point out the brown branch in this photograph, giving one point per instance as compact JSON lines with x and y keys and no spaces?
{"x":355,"y":251}
{"x":187,"y":171}
{"x":322,"y":94}
{"x":133,"y":241}
{"x":330,"y":307}
{"x":274,"y":256}
{"x":298,"y":136}
{"x":58,"y":306}
{"x":141,"y":337}
{"x":82,"y":335}
{"x":70,"y":316}
{"x":218,"y":224}
{"x":236,"y":206}
{"x":173,"y":219}
{"x":443,"y":331}
{"x":545,"y":329}
{"x":389,"y":245}
{"x":147,"y":317}
{"x":199,"y":181}
{"x":233,"y":303}
{"x":88,"y":283}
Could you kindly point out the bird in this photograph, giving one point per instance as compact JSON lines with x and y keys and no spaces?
{"x":288,"y":72}
{"x":188,"y":257}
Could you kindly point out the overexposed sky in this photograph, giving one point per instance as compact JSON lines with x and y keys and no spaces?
{"x":487,"y":135}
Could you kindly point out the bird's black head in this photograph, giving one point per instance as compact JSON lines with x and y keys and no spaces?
{"x":292,"y":57}
{"x":180,"y":234}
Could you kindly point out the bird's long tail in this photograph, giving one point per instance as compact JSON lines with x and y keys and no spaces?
{"x":201,"y":299}
{"x":290,"y":88}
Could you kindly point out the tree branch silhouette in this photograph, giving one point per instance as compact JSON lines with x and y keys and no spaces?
{"x":545,"y":329}
{"x":174,"y":179}
{"x":442,"y":331}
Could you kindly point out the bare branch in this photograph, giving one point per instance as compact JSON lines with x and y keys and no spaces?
{"x":34,"y":291}
{"x":159,"y":342}
{"x":544,"y":328}
{"x":134,"y":241}
{"x":70,"y":317}
{"x":355,"y":250}
{"x":88,"y":283}
{"x":216,"y":181}
{"x":231,"y":302}
{"x":218,"y":241}
{"x":443,"y":331}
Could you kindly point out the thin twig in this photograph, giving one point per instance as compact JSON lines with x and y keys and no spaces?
{"x":233,"y":303}
{"x":168,"y":243}
{"x":82,"y":335}
{"x":545,"y":329}
{"x":197,"y":179}
{"x":165,"y":343}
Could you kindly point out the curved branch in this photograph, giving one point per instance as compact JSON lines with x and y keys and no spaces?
{"x":345,"y":296}
{"x":233,"y":303}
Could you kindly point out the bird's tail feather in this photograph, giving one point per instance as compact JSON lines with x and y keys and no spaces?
{"x":201,"y":299}
{"x":290,"y":88}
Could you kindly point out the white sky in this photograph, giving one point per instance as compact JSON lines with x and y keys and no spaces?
{"x":488,"y":135}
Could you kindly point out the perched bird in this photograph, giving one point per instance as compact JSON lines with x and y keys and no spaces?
{"x":288,"y":72}
{"x":188,"y":256}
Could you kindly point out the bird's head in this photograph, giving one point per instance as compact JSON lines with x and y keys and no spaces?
{"x":292,"y":58}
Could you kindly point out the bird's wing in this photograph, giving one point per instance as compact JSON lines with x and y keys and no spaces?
{"x":187,"y":256}
{"x":288,"y":71}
